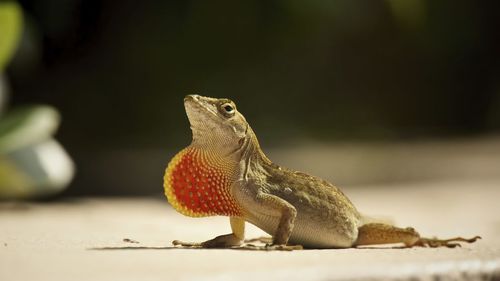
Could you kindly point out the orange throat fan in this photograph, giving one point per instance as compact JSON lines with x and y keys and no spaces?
{"x":196,"y":185}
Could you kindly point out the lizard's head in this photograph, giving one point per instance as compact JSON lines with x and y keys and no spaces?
{"x":216,"y":123}
{"x":198,"y":179}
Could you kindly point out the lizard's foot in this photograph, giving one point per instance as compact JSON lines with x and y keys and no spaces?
{"x":262,"y":239}
{"x":274,"y":247}
{"x":219,"y":242}
{"x":223,"y":241}
{"x":450,"y":243}
{"x":269,"y":247}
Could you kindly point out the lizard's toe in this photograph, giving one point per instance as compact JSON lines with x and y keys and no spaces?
{"x":450,"y":243}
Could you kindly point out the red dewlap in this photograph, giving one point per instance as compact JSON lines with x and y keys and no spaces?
{"x":202,"y":187}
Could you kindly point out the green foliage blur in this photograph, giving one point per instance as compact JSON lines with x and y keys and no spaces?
{"x":10,"y":29}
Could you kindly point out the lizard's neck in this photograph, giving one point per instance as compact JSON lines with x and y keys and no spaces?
{"x":253,"y":161}
{"x":198,"y":179}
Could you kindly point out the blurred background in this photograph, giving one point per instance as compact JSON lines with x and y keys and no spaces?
{"x":357,"y":92}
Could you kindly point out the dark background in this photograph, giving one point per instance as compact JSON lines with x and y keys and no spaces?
{"x":324,"y":70}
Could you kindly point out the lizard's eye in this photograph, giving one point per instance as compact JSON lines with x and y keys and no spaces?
{"x":227,"y":109}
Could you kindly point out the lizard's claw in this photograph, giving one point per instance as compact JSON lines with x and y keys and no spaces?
{"x":450,"y":243}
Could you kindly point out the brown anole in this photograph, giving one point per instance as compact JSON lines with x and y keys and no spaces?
{"x":225,"y":172}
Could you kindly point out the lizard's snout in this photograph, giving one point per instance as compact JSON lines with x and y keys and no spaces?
{"x":191,"y":98}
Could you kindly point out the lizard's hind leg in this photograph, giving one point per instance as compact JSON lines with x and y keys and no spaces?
{"x":379,"y":233}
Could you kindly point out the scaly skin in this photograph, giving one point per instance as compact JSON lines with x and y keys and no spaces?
{"x":224,"y":172}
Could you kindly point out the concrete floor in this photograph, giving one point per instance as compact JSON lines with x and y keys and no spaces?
{"x":84,"y":240}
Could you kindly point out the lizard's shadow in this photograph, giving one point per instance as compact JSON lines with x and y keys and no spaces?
{"x":237,"y":249}
{"x":136,"y":248}
{"x":162,"y":248}
{"x":173,"y":248}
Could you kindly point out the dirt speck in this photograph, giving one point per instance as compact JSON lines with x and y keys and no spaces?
{"x":127,"y":240}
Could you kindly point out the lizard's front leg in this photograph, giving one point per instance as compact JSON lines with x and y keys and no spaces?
{"x":288,"y":213}
{"x":230,"y":240}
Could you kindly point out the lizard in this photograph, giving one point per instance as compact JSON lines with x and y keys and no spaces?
{"x":225,"y":172}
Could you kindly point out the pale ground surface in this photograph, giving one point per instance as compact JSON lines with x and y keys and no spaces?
{"x":67,"y":240}
{"x":441,"y":188}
